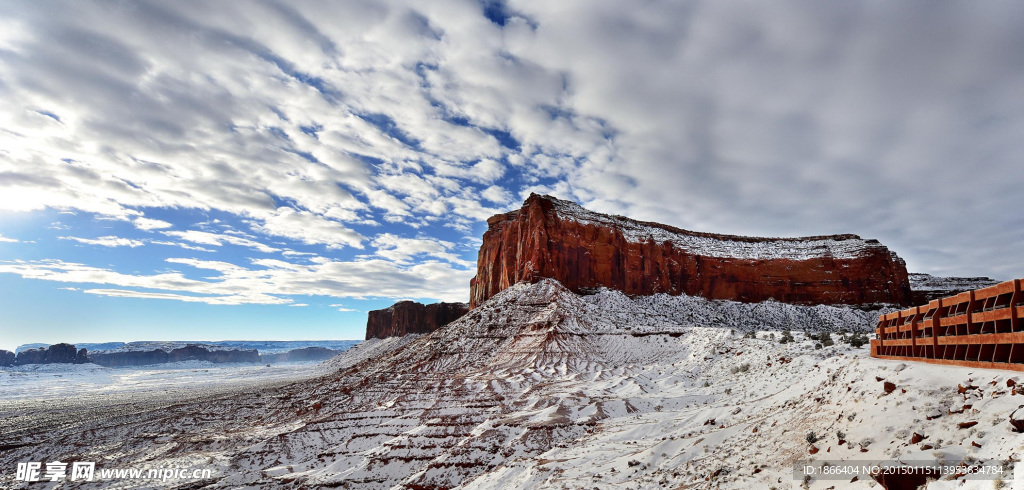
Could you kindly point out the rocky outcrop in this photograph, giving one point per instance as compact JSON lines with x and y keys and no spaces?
{"x":926,"y":287}
{"x":586,"y":251}
{"x":130,"y":358}
{"x":7,"y":358}
{"x":54,"y":354}
{"x":301,"y":355}
{"x":187,"y":353}
{"x":199,"y":353}
{"x":407,"y":317}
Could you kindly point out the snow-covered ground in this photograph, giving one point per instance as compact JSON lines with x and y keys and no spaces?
{"x":541,"y":388}
{"x":45,"y":381}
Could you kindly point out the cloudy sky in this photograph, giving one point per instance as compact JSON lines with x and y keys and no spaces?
{"x":272,"y":170}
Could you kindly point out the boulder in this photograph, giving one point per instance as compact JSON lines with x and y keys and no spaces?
{"x":1017,"y":419}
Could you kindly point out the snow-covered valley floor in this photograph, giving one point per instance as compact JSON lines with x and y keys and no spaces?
{"x":541,"y":388}
{"x":48,"y":381}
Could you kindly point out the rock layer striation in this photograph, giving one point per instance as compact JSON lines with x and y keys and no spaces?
{"x":585,"y":251}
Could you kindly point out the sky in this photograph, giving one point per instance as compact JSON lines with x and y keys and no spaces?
{"x":274,"y":169}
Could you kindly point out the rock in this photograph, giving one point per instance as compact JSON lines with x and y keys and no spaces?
{"x":200,"y":353}
{"x":130,"y":358}
{"x":925,"y":287}
{"x":54,"y":354}
{"x":916,"y":438}
{"x":889,"y":387}
{"x":82,"y":357}
{"x":407,"y":317}
{"x":187,"y":353}
{"x":585,"y":251}
{"x":909,"y":480}
{"x":879,"y":379}
{"x":967,"y":425}
{"x":975,"y":444}
{"x":1011,"y":382}
{"x":934,"y":414}
{"x":1017,"y":419}
{"x":301,"y":355}
{"x":813,"y":450}
{"x":7,"y":358}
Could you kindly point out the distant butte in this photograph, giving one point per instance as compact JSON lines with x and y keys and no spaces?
{"x":585,"y":251}
{"x":406,"y":317}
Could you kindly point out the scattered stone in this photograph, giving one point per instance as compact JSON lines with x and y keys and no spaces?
{"x":1017,"y":419}
{"x":889,"y":387}
{"x":967,"y":425}
{"x":916,"y":438}
{"x":813,"y":450}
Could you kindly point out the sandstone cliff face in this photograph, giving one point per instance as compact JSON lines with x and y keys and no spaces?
{"x":584,"y":251}
{"x":407,"y":317}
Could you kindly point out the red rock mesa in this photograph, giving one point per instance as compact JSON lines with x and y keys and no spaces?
{"x":585,"y":251}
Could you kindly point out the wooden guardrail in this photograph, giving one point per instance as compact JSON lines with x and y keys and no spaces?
{"x":981,"y":328}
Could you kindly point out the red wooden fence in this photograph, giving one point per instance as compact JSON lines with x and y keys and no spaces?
{"x":981,"y":328}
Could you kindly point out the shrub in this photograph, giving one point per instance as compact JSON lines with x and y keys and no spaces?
{"x":857,"y":340}
{"x":811,"y":437}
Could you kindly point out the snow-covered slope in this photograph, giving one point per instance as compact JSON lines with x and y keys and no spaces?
{"x":541,"y":388}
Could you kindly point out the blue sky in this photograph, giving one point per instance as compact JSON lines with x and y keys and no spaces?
{"x":273,"y":170}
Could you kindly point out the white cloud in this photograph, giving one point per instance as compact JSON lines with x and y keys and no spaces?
{"x":265,"y":283}
{"x":182,"y":245}
{"x":309,"y":228}
{"x":4,"y":239}
{"x":402,"y":250}
{"x":497,"y":195}
{"x":150,"y":224}
{"x":216,"y":239}
{"x":788,"y":119}
{"x":107,"y":241}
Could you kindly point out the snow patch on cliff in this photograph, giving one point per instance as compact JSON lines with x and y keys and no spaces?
{"x":727,"y":246}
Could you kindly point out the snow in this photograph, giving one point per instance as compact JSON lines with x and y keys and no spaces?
{"x":542,"y":388}
{"x":728,"y":246}
{"x":263,"y":346}
{"x":55,"y":381}
{"x":928,"y":282}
